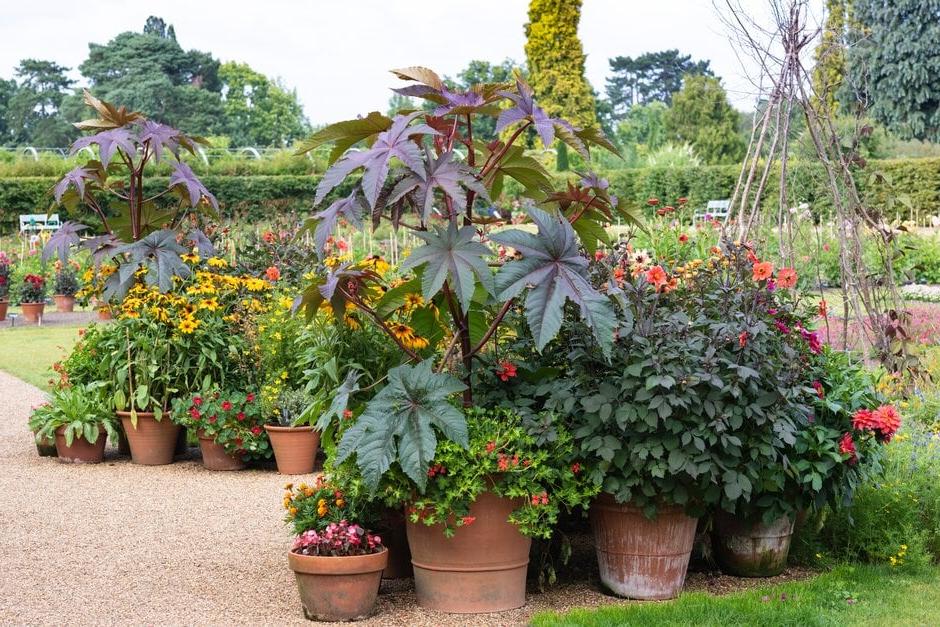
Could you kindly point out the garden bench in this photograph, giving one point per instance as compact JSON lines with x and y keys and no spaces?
{"x":717,"y":209}
{"x":39,"y":222}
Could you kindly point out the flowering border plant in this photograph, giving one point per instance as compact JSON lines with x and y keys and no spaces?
{"x":317,"y":506}
{"x":33,"y":289}
{"x":231,"y":418}
{"x":341,"y":539}
{"x":5,"y":265}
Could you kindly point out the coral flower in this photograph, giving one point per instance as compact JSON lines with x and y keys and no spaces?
{"x":657,"y":276}
{"x":652,"y":202}
{"x":847,"y":447}
{"x":763,"y":270}
{"x":786,"y":278}
{"x":819,"y":389}
{"x":272,"y":273}
{"x":887,"y":420}
{"x":506,"y":370}
{"x":823,"y":309}
{"x":742,"y":339}
{"x":683,"y":238}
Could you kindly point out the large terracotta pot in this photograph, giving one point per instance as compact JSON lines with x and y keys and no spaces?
{"x":63,"y":303}
{"x":749,"y":548}
{"x":295,"y":448}
{"x":338,"y":588}
{"x":391,"y":527}
{"x":3,"y":309}
{"x":482,"y":568}
{"x":81,"y":450}
{"x":46,"y":447}
{"x":638,"y":557}
{"x":152,"y":441}
{"x":214,"y":456}
{"x":104,"y":312}
{"x":32,"y":312}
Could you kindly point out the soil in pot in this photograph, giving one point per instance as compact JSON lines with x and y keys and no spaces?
{"x":214,"y":456}
{"x":481,"y":569}
{"x":392,"y":529}
{"x":32,"y":312}
{"x":638,"y":557}
{"x":338,"y":588}
{"x":3,"y":309}
{"x":152,"y":441}
{"x":81,"y":450}
{"x":46,"y":447}
{"x":295,"y":448}
{"x":748,"y":548}
{"x":64,"y":304}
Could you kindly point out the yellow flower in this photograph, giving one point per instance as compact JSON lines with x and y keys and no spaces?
{"x":255,"y":285}
{"x":210,"y":304}
{"x":352,"y":323}
{"x":217,"y":262}
{"x":413,"y":301}
{"x":190,"y":258}
{"x":188,"y":325}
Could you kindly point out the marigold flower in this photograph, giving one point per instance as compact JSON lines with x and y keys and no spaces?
{"x":763,"y":270}
{"x":786,"y":278}
{"x":272,"y":273}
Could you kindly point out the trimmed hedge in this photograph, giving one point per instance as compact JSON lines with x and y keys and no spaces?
{"x":254,"y":197}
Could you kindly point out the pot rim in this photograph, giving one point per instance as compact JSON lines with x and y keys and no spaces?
{"x":140,"y":414}
{"x":280,"y":429}
{"x":342,"y":565}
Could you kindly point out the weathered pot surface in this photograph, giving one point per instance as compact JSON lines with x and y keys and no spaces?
{"x":295,"y":448}
{"x":32,"y":312}
{"x":81,"y":450}
{"x":214,"y":456}
{"x":749,"y":548}
{"x":638,"y":557}
{"x":63,"y":303}
{"x":152,"y":441}
{"x":481,"y":569}
{"x":338,"y":588}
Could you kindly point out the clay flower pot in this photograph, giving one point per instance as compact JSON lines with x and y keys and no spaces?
{"x":338,"y":588}
{"x":152,"y":441}
{"x":104,"y":312}
{"x":748,"y":548}
{"x":46,"y":447}
{"x":394,"y":534}
{"x":482,"y":568}
{"x":81,"y":451}
{"x":32,"y":312}
{"x":640,"y":558}
{"x":214,"y":456}
{"x":295,"y":448}
{"x":63,"y":303}
{"x":3,"y":309}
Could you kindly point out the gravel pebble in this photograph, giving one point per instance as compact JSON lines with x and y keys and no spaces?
{"x":117,"y":543}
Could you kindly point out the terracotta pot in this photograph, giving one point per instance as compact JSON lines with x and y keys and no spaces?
{"x":214,"y":456}
{"x":63,"y":303}
{"x":32,"y":312}
{"x":3,"y":309}
{"x":46,"y":447}
{"x":748,"y":548}
{"x":82,"y":450}
{"x":482,"y":568}
{"x":152,"y":441}
{"x":338,"y":588}
{"x":104,"y":313}
{"x":391,"y":528}
{"x":295,"y":448}
{"x":640,"y":558}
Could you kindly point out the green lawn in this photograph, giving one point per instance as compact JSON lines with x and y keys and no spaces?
{"x":29,"y":352}
{"x":847,"y":595}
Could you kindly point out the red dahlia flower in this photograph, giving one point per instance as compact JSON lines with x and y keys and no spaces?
{"x":847,"y":447}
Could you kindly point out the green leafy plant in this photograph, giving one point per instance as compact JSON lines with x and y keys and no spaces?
{"x":80,"y":409}
{"x":231,"y":418}
{"x":4,"y":276}
{"x":33,"y":289}
{"x":66,"y":283}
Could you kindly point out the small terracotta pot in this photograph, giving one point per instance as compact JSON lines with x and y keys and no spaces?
{"x":32,"y":312}
{"x":214,"y":456}
{"x":3,"y":309}
{"x":295,"y":448}
{"x":46,"y":447}
{"x":748,"y":548}
{"x":152,"y":441}
{"x":338,"y":588}
{"x":81,"y":451}
{"x":391,"y":527}
{"x":63,"y":303}
{"x":104,"y":313}
{"x":481,"y":569}
{"x":640,"y":558}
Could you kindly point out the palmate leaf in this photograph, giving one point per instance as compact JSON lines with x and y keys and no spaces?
{"x":160,"y":136}
{"x":111,"y":116}
{"x":341,"y":396}
{"x":160,"y":253}
{"x":396,"y":142}
{"x":399,"y":424}
{"x":184,"y":177}
{"x":108,"y":144}
{"x":526,"y":109}
{"x":451,"y":254}
{"x":67,"y":236}
{"x":443,"y":173}
{"x":345,"y":134}
{"x":76,"y":178}
{"x":554,"y":269}
{"x":527,"y":170}
{"x":349,"y":208}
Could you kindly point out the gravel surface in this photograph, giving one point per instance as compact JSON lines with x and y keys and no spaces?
{"x":50,"y":317}
{"x":117,"y":543}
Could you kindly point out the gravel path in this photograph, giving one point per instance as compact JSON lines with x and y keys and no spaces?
{"x":117,"y":543}
{"x":50,"y":318}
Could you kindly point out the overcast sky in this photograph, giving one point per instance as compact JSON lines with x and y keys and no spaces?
{"x":337,"y":53}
